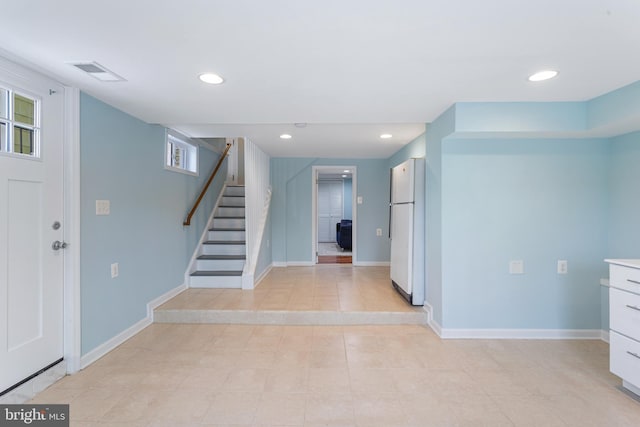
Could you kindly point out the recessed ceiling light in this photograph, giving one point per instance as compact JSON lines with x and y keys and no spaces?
{"x":211,"y":78}
{"x":543,"y":75}
{"x":285,"y":136}
{"x":386,"y":136}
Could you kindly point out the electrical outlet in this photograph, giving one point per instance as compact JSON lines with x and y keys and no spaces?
{"x":516,"y":267}
{"x":378,"y":232}
{"x":103,"y":207}
{"x":114,"y":270}
{"x":359,"y":200}
{"x":563,"y":266}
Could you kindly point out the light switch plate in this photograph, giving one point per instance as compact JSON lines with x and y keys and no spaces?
{"x":103,"y":207}
{"x":115,"y":270}
{"x":359,"y":200}
{"x":516,"y":267}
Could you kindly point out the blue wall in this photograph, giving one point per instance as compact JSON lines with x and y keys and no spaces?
{"x":291,"y":216}
{"x":122,"y":161}
{"x":624,"y":227}
{"x":532,"y":200}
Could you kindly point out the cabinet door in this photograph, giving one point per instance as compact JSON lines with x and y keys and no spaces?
{"x":624,"y":309}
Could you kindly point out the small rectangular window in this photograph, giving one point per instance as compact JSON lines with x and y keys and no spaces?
{"x":4,"y":104}
{"x":181,"y":156}
{"x":3,"y":136}
{"x":19,"y":123}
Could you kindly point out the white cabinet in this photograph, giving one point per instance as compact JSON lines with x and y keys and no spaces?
{"x":624,"y":321}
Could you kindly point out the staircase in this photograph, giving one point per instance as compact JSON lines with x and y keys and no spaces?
{"x":222,"y":255}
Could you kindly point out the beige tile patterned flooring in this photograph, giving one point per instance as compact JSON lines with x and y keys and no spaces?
{"x":320,"y":288}
{"x":386,"y":376}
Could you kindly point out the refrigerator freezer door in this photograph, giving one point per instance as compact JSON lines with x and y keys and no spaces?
{"x":402,"y":246}
{"x":402,"y":182}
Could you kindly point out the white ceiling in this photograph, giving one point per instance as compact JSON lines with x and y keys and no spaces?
{"x":351,"y":69}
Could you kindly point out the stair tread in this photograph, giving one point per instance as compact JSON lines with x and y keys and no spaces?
{"x":228,"y":217}
{"x":227,"y":257}
{"x":224,"y":242}
{"x":201,"y":273}
{"x":226,"y":229}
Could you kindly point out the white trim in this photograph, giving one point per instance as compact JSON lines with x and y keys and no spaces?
{"x":371,"y":263}
{"x":314,"y":209}
{"x":435,"y":326}
{"x":157,"y":302}
{"x":520,"y":334}
{"x":263,"y":275}
{"x":604,"y":336}
{"x":299,"y":264}
{"x":72,"y":303}
{"x":111,"y":344}
{"x":123,"y":336}
{"x":278,"y":264}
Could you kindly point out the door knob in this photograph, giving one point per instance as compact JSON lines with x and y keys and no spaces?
{"x":57,"y":245}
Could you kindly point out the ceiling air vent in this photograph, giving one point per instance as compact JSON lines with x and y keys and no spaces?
{"x":97,"y":71}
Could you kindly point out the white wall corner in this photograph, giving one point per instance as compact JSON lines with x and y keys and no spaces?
{"x":604,"y":336}
{"x":435,"y":326}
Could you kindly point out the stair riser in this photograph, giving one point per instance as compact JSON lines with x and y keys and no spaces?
{"x":228,"y":223}
{"x":234,"y":191}
{"x":223,"y":250}
{"x":226,"y":212}
{"x":233,"y":282}
{"x":233,"y":236}
{"x":232,"y":201}
{"x":219,"y":264}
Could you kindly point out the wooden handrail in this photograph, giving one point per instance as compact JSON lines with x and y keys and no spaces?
{"x":206,"y":186}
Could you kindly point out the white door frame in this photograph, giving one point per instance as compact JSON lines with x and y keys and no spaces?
{"x":72,"y":319}
{"x":315,"y":170}
{"x":71,"y":208}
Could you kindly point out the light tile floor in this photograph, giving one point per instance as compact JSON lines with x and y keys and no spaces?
{"x":324,"y":287}
{"x":267,"y":375}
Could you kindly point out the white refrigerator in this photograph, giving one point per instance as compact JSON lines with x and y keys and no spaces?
{"x":407,"y":226}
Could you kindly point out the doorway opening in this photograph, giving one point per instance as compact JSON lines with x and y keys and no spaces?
{"x":334,"y":230}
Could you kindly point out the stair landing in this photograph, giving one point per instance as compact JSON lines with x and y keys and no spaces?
{"x":320,"y":295}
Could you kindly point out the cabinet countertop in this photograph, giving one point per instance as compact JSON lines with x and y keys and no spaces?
{"x":633,"y":263}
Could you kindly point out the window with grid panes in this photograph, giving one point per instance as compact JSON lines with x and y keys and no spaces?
{"x":19,"y":123}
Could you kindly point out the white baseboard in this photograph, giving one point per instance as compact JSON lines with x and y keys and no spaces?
{"x":279,"y":264}
{"x":263,"y":275}
{"x":109,"y":345}
{"x":522,"y":334}
{"x":604,"y":336}
{"x":299,"y":264}
{"x":123,"y":336}
{"x":371,"y":263}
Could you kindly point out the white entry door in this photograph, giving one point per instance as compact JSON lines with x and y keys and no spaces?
{"x":31,"y":209}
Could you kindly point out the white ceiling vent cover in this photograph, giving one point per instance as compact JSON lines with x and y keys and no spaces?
{"x":97,"y":71}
